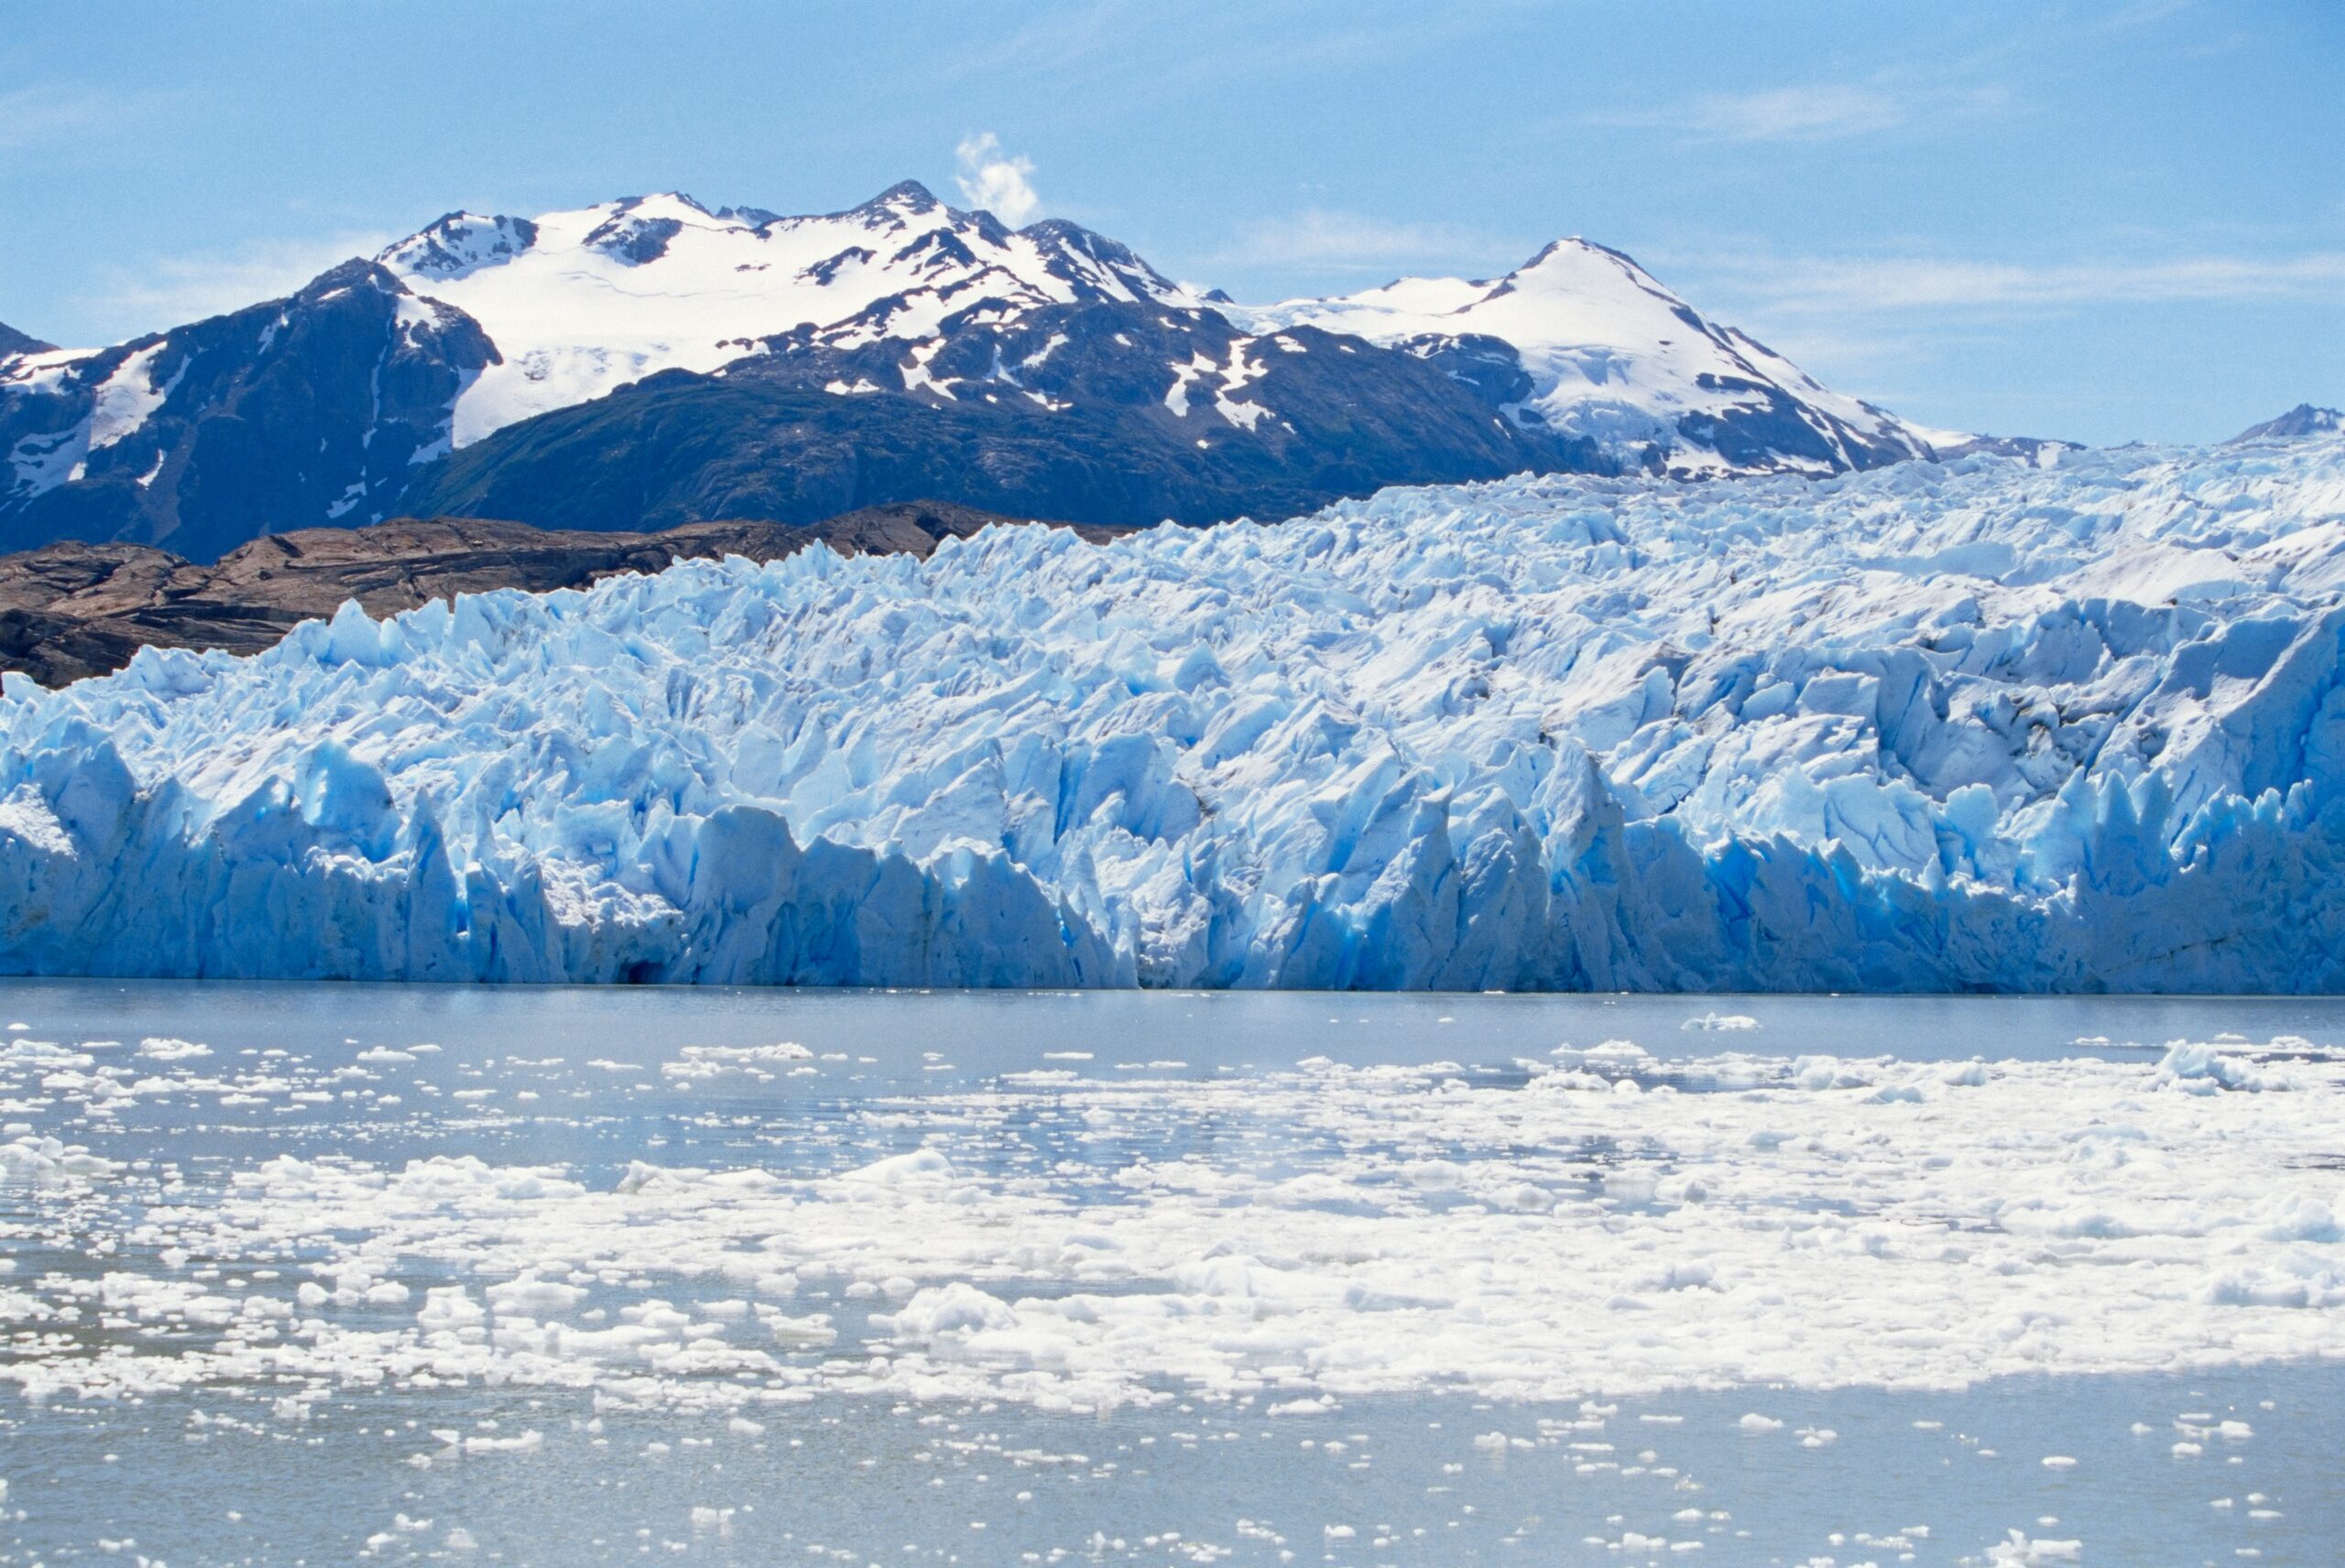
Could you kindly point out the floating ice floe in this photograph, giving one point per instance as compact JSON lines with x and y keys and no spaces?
{"x":50,"y":1159}
{"x":168,"y":1050}
{"x":700,"y":1063}
{"x":2197,"y":1067}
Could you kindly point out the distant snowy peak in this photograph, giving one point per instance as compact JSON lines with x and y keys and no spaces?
{"x":1612,"y":356}
{"x":1093,"y":263}
{"x":581,"y":302}
{"x":2298,"y":422}
{"x":460,"y":243}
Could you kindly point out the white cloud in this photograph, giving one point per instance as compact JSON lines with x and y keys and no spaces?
{"x":1922,"y":283}
{"x":169,"y":291}
{"x":1318,"y":237}
{"x":1002,"y":185}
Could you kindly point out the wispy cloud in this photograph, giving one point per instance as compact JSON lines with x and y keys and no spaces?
{"x":992,"y":179}
{"x":1063,"y":38}
{"x":1883,"y":326}
{"x":1338,"y":241}
{"x":1817,"y":113}
{"x":1924,"y":283}
{"x":1149,"y":52}
{"x":1811,"y":112}
{"x":41,"y":113}
{"x":169,"y":290}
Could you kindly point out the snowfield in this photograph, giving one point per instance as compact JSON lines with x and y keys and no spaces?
{"x":1977,"y":725}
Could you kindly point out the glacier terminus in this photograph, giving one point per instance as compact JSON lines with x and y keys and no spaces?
{"x":2068,"y":723}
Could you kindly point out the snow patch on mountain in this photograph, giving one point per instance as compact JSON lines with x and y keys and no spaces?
{"x":120,"y":405}
{"x":1933,"y":726}
{"x":126,"y":400}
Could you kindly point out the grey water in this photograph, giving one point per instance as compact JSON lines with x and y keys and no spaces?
{"x":571,"y":1078}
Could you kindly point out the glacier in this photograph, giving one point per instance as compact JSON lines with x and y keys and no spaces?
{"x":2070,"y":723}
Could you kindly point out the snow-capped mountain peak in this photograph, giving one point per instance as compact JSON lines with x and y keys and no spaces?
{"x":1615,"y":357}
{"x":459,"y":243}
{"x":2298,"y":422}
{"x":906,"y":195}
{"x":339,"y":392}
{"x":580,"y":302}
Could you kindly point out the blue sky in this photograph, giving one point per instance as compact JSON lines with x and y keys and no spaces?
{"x":2105,"y":221}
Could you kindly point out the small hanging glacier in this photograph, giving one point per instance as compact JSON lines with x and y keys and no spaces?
{"x":2076,"y":723}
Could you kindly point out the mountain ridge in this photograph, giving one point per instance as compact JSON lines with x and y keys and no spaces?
{"x":386,"y":385}
{"x":14,"y":343}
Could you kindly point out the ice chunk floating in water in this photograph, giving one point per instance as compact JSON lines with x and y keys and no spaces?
{"x":1977,"y":725}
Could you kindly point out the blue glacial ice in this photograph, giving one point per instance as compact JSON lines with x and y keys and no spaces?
{"x":1977,"y":725}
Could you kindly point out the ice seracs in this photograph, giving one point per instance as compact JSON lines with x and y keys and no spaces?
{"x":1936,"y":727}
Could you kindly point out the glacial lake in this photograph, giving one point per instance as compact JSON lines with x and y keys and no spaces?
{"x":330,"y":1274}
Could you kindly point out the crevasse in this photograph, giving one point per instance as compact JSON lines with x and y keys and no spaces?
{"x":1977,"y":724}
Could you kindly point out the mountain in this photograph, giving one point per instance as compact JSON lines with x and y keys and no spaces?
{"x":2304,"y":419}
{"x":1105,"y":412}
{"x":791,"y":367}
{"x":314,"y":409}
{"x":71,"y":610}
{"x":1583,"y":341}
